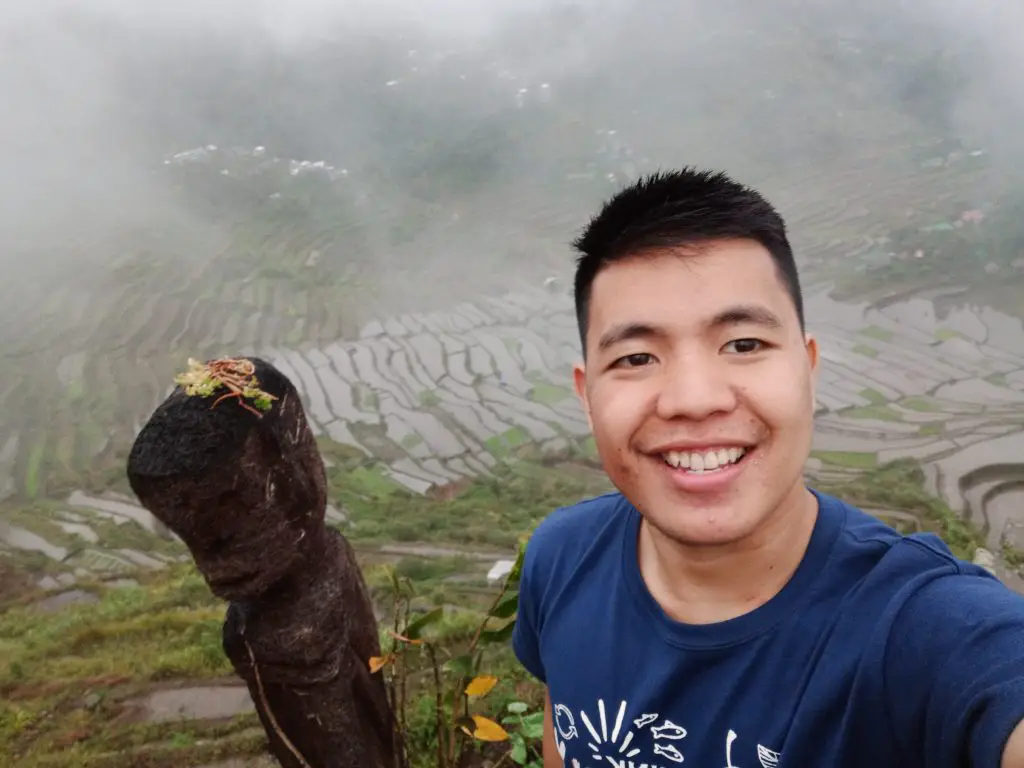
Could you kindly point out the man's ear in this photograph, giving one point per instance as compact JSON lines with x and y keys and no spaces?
{"x":579,"y":380}
{"x":813,"y":353}
{"x":814,"y":358}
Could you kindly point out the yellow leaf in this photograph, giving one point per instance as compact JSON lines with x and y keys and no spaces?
{"x":481,"y":685}
{"x":377,"y":663}
{"x":488,"y":730}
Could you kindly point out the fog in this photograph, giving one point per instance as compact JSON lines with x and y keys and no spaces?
{"x":97,"y":93}
{"x":420,"y":153}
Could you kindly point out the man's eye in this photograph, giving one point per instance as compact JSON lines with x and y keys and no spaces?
{"x":745,"y":346}
{"x":639,"y":360}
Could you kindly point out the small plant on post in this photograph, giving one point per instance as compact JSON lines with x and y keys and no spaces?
{"x":235,"y":374}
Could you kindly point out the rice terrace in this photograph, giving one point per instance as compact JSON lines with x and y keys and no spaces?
{"x":431,"y":334}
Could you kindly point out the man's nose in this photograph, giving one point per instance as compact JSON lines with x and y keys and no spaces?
{"x":695,"y":388}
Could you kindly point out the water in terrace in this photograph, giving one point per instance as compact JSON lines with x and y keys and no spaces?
{"x":411,"y":279}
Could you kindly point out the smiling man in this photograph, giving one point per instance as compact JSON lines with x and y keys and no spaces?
{"x":715,"y":609}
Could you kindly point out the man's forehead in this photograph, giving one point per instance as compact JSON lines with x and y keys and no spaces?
{"x":698,"y":286}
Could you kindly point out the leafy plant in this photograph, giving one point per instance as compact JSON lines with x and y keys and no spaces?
{"x":237,"y":375}
{"x":422,"y":663}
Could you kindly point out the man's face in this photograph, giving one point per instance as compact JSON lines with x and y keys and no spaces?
{"x":699,"y":387}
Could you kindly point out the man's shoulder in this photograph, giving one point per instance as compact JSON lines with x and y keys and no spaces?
{"x":589,"y":527}
{"x":585,"y":515}
{"x":908,"y":563}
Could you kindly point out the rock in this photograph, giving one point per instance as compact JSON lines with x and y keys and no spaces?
{"x":92,"y":701}
{"x":499,"y":571}
{"x":985,"y":559}
{"x":48,"y":583}
{"x":121,"y":583}
{"x":199,"y":703}
{"x":55,"y":603}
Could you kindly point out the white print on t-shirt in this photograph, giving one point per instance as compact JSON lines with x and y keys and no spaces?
{"x":610,"y":738}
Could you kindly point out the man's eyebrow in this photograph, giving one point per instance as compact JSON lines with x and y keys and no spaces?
{"x":626,"y":332}
{"x":743,"y":314}
{"x":746,"y":314}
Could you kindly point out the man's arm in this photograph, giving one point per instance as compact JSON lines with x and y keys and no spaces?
{"x":1013,"y":755}
{"x":955,"y":673}
{"x":550,"y":752}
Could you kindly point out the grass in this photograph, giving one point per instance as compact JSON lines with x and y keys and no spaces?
{"x":847,"y":459}
{"x":429,"y":399}
{"x":876,"y":412}
{"x":65,"y":677}
{"x":549,"y":394}
{"x":501,"y":445}
{"x":874,"y":397}
{"x":168,"y":628}
{"x":863,"y":349}
{"x":489,"y":512}
{"x":874,"y":332}
{"x":68,"y":680}
{"x":920,"y":404}
{"x":900,"y":485}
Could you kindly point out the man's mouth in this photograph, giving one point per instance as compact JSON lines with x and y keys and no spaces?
{"x":706,"y":461}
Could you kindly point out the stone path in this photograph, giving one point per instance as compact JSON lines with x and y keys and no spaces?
{"x":196,"y":703}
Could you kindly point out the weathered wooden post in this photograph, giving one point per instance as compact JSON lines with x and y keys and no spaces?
{"x":242,"y":483}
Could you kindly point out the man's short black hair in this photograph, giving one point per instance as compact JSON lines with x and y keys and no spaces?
{"x":673,"y":209}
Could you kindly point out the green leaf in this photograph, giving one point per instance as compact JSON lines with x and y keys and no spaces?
{"x":502,"y":635}
{"x":518,"y":707}
{"x":518,"y":754}
{"x":460,"y":665}
{"x":517,"y":566}
{"x":414,"y":630}
{"x":533,"y":726}
{"x":393,"y":578}
{"x":507,"y":608}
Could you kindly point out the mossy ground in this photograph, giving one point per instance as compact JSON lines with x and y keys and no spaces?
{"x":65,"y":677}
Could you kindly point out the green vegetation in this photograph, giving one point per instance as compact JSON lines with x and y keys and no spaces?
{"x":877,"y":412}
{"x":70,"y":681}
{"x":234,"y":375}
{"x":429,"y":399}
{"x":900,"y":486}
{"x":501,"y":445}
{"x":921,"y":404}
{"x":549,"y":394}
{"x":847,"y":459}
{"x":945,"y":334}
{"x":488,"y":511}
{"x":960,"y":246}
{"x":449,"y":693}
{"x":874,"y":332}
{"x":874,"y":397}
{"x":67,"y":679}
{"x":864,"y":349}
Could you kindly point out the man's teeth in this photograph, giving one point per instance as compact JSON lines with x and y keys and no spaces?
{"x":704,"y":461}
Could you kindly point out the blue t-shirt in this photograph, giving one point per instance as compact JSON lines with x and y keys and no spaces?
{"x":882,"y":650}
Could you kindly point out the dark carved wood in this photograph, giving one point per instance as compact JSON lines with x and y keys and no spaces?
{"x":247,"y":495}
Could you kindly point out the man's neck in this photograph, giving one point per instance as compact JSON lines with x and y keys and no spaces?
{"x":709,"y":584}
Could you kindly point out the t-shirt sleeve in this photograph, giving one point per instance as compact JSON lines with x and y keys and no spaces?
{"x":954,"y":670}
{"x":526,"y":633}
